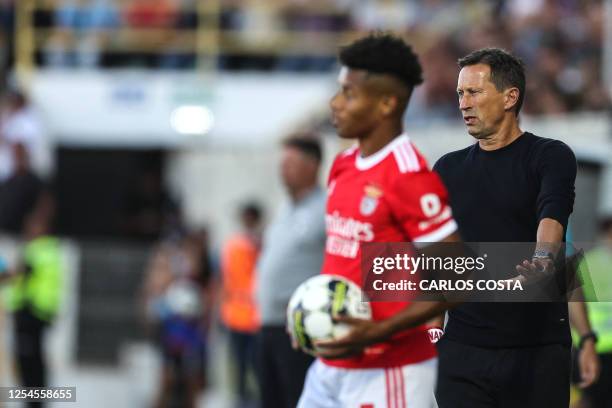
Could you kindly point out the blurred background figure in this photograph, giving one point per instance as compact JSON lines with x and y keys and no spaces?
{"x":34,"y":296}
{"x":83,"y":30}
{"x":596,"y":271}
{"x":239,"y":312}
{"x":21,"y":123}
{"x":7,"y":35}
{"x":19,"y":193}
{"x":178,"y":301}
{"x":292,"y":252}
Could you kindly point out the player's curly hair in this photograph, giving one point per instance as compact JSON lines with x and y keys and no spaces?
{"x":384,"y":53}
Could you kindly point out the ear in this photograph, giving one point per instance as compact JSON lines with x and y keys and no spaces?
{"x":511,"y":97}
{"x":388,"y":105}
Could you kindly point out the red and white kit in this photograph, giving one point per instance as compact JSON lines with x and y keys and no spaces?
{"x":390,"y":196}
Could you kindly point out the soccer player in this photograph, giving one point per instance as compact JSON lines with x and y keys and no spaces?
{"x":380,"y":190}
{"x":510,"y":186}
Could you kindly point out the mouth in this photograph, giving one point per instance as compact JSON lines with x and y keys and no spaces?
{"x":470,"y":120}
{"x":335,"y":121}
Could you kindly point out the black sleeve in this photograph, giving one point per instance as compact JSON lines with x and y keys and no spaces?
{"x":556,"y":167}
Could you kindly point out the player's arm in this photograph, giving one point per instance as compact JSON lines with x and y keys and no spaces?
{"x":588,"y":360}
{"x":556,"y":169}
{"x":367,"y":332}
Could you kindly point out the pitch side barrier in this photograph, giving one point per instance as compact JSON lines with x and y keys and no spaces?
{"x":480,"y":272}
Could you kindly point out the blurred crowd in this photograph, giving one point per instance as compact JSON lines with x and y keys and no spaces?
{"x":560,"y":41}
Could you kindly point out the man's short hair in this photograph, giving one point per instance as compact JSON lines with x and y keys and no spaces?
{"x":507,"y":70}
{"x":381,"y":53}
{"x":306,"y":143}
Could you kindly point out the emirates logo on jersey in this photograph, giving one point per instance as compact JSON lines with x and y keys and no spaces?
{"x":369,"y":202}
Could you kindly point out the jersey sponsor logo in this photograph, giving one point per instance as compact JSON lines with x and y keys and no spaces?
{"x":341,"y":247}
{"x":349,"y":228}
{"x":435,"y":334}
{"x":369,"y":202}
{"x":344,"y":235}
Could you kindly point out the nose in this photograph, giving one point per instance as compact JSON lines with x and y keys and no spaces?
{"x":334,"y":102}
{"x":464,"y":103}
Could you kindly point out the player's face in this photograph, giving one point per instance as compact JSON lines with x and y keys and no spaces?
{"x":354,"y":107}
{"x":481,"y":104}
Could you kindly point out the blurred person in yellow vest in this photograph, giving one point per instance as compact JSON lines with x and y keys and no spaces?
{"x":34,"y":296}
{"x":596,"y":275}
{"x":238,"y":306}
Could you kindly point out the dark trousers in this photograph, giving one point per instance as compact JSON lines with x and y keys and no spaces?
{"x":29,"y":350}
{"x":528,"y":377}
{"x":282,"y":369}
{"x":243,"y":349}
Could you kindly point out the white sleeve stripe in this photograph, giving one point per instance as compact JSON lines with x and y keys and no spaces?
{"x":439,"y":234}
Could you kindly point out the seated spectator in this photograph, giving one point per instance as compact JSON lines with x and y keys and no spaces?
{"x":82,"y":32}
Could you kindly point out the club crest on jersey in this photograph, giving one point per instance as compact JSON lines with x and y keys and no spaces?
{"x":369,"y":201}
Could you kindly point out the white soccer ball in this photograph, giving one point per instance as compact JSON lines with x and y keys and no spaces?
{"x":183,"y":299}
{"x":314,"y":303}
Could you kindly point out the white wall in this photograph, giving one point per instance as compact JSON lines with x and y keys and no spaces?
{"x":133,"y":108}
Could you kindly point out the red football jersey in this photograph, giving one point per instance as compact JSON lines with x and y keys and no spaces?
{"x":390,"y":196}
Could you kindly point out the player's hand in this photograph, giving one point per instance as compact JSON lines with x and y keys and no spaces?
{"x":589,"y":365}
{"x":294,"y":343}
{"x":535,"y":271}
{"x":362,"y":334}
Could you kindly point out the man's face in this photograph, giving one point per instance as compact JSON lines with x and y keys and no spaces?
{"x":354,"y":107}
{"x":481,"y":104}
{"x":297,"y":168}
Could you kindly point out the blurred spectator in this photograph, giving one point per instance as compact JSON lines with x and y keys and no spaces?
{"x":7,"y":35}
{"x":177,"y":303}
{"x":20,"y":193}
{"x":34,"y":298}
{"x":20,"y":123}
{"x":560,"y":41}
{"x":394,"y":15}
{"x":292,"y":252}
{"x":82,"y":32}
{"x":597,"y":285}
{"x":238,"y":309}
{"x":307,"y":20}
{"x":151,"y":34}
{"x":150,"y":14}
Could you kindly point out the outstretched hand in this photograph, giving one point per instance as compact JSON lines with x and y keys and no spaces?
{"x":535,"y":271}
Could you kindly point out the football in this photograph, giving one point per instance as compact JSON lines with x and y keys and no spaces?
{"x":314,"y":303}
